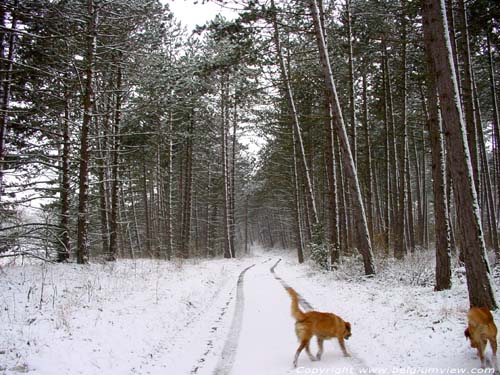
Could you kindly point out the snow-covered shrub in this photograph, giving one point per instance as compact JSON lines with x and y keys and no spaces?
{"x":416,"y":269}
{"x":319,"y":248}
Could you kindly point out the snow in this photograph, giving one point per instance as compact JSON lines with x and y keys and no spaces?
{"x":190,"y":317}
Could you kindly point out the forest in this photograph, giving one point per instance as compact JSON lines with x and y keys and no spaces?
{"x":364,"y":129}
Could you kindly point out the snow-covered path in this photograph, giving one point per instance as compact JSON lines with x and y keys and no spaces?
{"x":267,"y":340}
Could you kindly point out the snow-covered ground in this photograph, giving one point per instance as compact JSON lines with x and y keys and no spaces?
{"x":194,"y":317}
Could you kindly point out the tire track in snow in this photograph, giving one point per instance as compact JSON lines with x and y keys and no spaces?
{"x":226,"y":360}
{"x":359,"y":365}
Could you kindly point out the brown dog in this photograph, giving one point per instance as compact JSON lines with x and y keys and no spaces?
{"x":322,"y":325}
{"x":480,"y":330}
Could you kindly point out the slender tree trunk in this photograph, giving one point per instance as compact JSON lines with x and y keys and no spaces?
{"x":352,"y":94}
{"x":82,"y":254}
{"x":233,"y":179}
{"x":387,"y":230}
{"x":113,"y":235}
{"x":496,"y":120}
{"x":295,"y":117}
{"x":437,"y":43}
{"x":246,"y":225}
{"x":168,"y":224}
{"x":207,"y":210}
{"x":6,"y":76}
{"x":468,"y":94}
{"x":363,"y":235}
{"x":296,"y":205}
{"x":228,"y":251}
{"x":188,"y":193}
{"x":333,"y":225}
{"x":400,"y":246}
{"x":488,"y":206}
{"x":102,"y":134}
{"x":368,"y":158}
{"x":146,"y":202}
{"x":65,"y":249}
{"x":443,"y":249}
{"x":134,"y":213}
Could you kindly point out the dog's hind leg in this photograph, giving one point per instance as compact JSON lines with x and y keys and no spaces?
{"x":308,"y":351}
{"x":320,"y":348}
{"x":302,"y":345}
{"x":342,"y":346}
{"x":493,"y":343}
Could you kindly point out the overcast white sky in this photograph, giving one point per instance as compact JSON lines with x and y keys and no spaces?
{"x":192,"y":13}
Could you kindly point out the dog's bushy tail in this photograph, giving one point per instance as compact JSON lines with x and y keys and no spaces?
{"x":296,"y":312}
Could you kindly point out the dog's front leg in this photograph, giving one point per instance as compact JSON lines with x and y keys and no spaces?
{"x":342,"y":346}
{"x":320,"y":348}
{"x":311,"y":357}
{"x":480,"y":351}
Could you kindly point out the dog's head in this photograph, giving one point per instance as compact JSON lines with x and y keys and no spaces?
{"x":347,"y":331}
{"x":468,"y":336}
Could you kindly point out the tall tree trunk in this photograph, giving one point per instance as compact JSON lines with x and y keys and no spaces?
{"x":233,"y":178}
{"x":488,"y":206}
{"x":113,"y":226}
{"x":134,"y":213}
{"x":293,"y":112}
{"x":146,"y":202}
{"x":443,"y":249}
{"x":468,"y":94}
{"x":387,"y":230}
{"x":496,"y":120}
{"x":352,"y":94}
{"x":437,"y":43}
{"x":188,"y":192}
{"x":82,"y":254}
{"x":228,"y":251}
{"x":6,"y":83}
{"x":363,"y":236}
{"x":102,"y":135}
{"x":368,"y":157}
{"x":333,"y":225}
{"x":65,"y":249}
{"x":246,"y":225}
{"x":168,"y":221}
{"x":296,"y":202}
{"x":400,"y":245}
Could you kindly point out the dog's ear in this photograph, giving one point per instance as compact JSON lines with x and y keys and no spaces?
{"x":467,"y":333}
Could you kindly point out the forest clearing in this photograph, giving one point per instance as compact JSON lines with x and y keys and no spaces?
{"x":158,"y":317}
{"x":160,"y":184}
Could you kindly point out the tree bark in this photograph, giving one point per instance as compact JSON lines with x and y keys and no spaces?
{"x":228,"y":251}
{"x":294,"y":114}
{"x":443,"y":249}
{"x":468,"y":94}
{"x":6,"y":76}
{"x":113,"y":225}
{"x":437,"y":43}
{"x":363,"y":235}
{"x":333,"y":224}
{"x":65,"y":249}
{"x":82,"y":254}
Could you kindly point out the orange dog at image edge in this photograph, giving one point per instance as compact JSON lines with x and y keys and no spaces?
{"x":314,"y":323}
{"x":480,"y":330}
